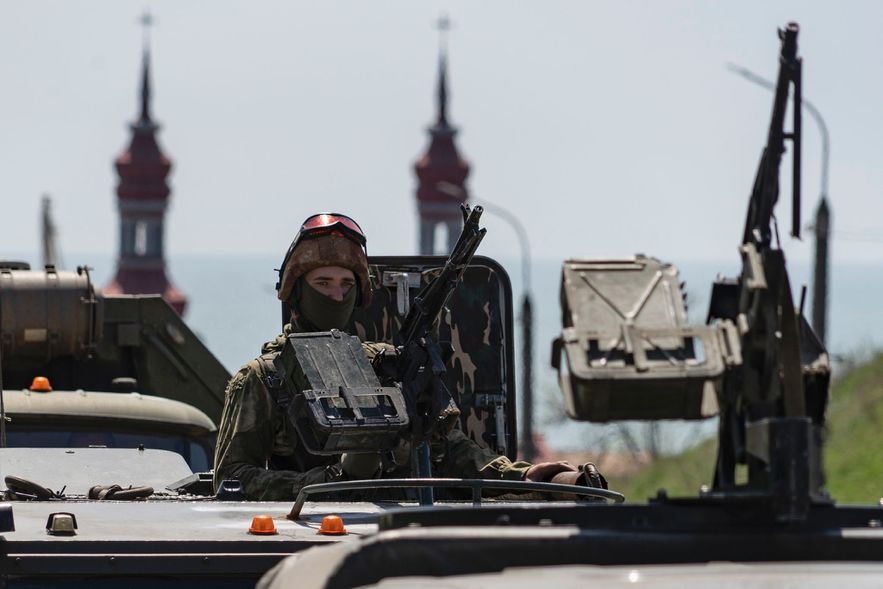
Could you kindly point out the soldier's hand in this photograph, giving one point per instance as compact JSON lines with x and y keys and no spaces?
{"x":544,"y":472}
{"x":564,"y":473}
{"x":593,"y":476}
{"x":384,"y":359}
{"x":360,"y":466}
{"x":587,"y":475}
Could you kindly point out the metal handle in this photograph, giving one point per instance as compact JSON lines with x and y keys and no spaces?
{"x":475,"y":484}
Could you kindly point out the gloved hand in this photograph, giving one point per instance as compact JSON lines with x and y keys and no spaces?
{"x":360,"y":466}
{"x":384,"y":359}
{"x":593,"y":476}
{"x":586,"y":475}
{"x":544,"y":472}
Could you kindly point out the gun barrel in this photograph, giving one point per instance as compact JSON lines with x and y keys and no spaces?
{"x":432,"y":299}
{"x":766,"y":185}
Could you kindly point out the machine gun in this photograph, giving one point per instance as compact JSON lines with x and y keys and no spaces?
{"x":772,"y":406}
{"x":421,"y":362}
{"x":765,"y":195}
{"x":757,"y":361}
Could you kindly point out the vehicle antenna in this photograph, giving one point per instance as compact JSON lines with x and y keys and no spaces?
{"x":2,"y":406}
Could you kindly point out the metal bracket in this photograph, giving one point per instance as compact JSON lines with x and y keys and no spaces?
{"x":495,"y":403}
{"x":403,"y":281}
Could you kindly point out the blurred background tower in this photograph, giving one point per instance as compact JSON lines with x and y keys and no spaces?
{"x":441,"y":172}
{"x":143,"y":197}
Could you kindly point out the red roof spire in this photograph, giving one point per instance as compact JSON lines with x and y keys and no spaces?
{"x":442,"y":91}
{"x":143,"y":195}
{"x":441,"y":171}
{"x":145,"y":88}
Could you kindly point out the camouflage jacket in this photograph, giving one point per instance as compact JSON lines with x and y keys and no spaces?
{"x":257,"y":445}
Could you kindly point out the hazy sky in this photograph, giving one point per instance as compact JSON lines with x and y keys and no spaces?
{"x":607,"y":127}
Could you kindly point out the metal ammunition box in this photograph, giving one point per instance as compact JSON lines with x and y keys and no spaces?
{"x":626,"y":351}
{"x":337,"y":403}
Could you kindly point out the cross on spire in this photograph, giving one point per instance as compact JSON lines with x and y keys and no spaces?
{"x":443,"y":25}
{"x":146,"y":21}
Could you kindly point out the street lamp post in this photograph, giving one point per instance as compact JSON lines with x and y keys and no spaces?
{"x":821,"y":227}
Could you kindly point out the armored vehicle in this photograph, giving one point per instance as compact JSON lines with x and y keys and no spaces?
{"x":627,"y":352}
{"x":81,"y":369}
{"x":143,"y":516}
{"x":54,"y":325}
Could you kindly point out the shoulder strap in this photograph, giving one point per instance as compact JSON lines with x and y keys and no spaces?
{"x":274,"y":379}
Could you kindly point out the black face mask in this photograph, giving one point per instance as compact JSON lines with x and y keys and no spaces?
{"x":321,"y":312}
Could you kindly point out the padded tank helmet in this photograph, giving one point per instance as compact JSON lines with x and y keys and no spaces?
{"x":326,"y":239}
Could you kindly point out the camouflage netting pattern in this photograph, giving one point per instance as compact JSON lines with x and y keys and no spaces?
{"x":474,"y":325}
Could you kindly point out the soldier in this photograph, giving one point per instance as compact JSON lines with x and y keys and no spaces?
{"x":323,"y":277}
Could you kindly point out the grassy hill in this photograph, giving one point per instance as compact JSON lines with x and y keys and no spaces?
{"x":853,"y":451}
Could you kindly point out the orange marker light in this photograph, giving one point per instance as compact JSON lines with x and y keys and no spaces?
{"x":332,"y":525}
{"x":262,"y":525}
{"x":41,"y":384}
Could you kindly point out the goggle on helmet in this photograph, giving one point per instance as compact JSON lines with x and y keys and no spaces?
{"x":353,"y":257}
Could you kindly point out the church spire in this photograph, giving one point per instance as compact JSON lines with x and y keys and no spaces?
{"x":441,"y":170}
{"x":146,"y":21}
{"x":443,"y":24}
{"x":145,"y":87}
{"x":142,"y":200}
